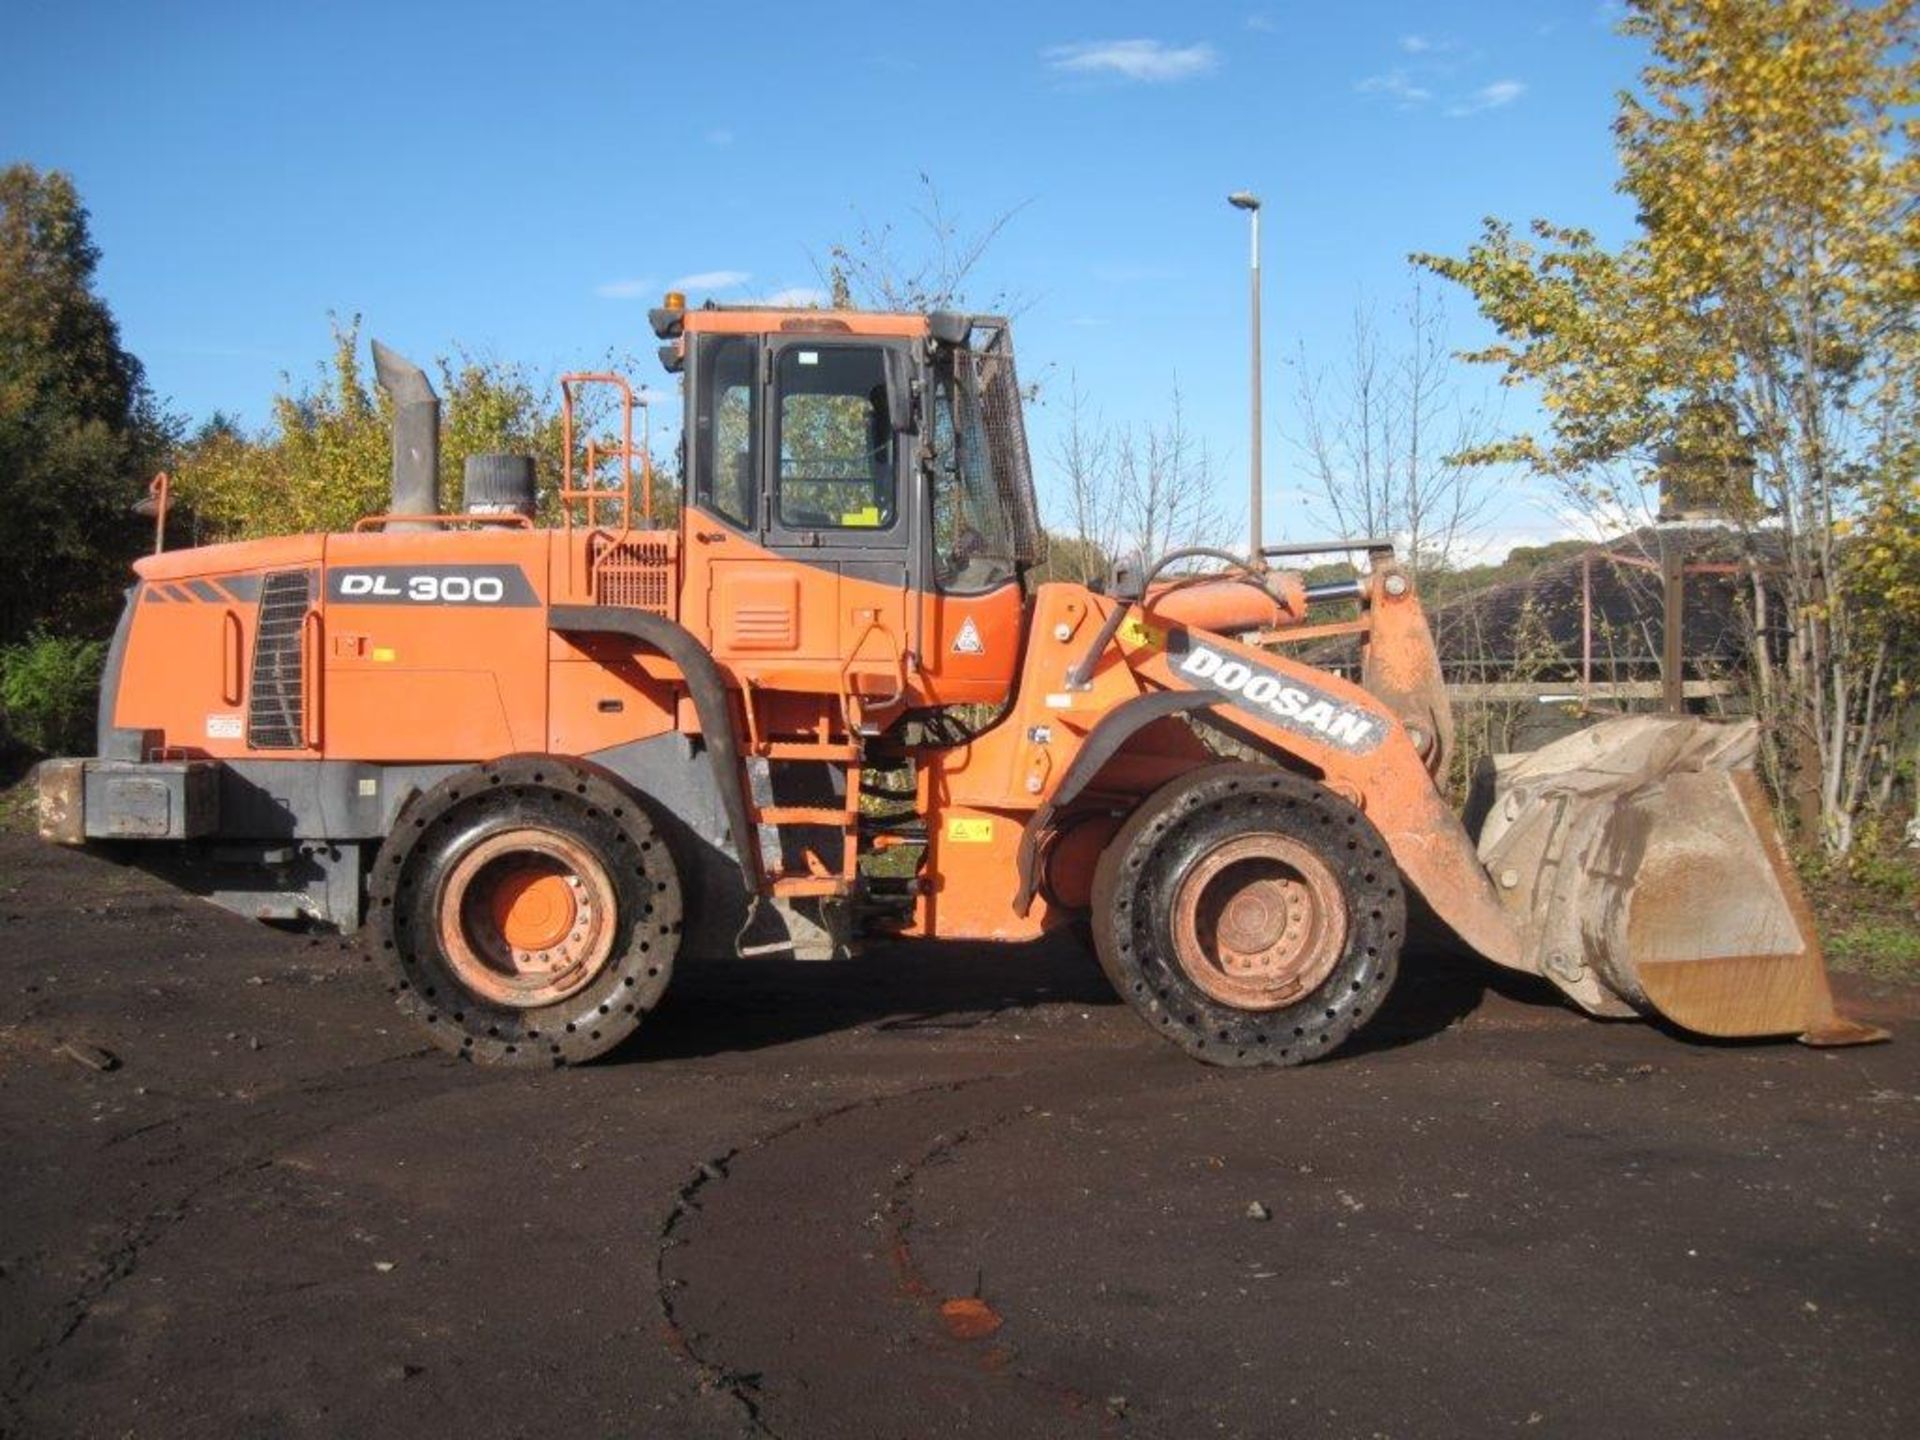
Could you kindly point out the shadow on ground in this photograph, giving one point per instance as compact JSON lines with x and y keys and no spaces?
{"x":718,"y":1006}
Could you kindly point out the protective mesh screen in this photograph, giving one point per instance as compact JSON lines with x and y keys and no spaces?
{"x":993,"y":439}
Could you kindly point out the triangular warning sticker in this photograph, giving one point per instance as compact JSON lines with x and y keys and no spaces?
{"x":967,"y":642}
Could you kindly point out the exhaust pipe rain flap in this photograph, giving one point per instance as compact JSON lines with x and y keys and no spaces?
{"x":416,"y":437}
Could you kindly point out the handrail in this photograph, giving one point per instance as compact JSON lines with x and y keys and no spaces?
{"x":848,"y":693}
{"x":232,"y":660}
{"x":313,"y":669}
{"x":588,"y":492}
{"x":1080,"y":673}
{"x":1374,"y":544}
{"x":159,"y":490}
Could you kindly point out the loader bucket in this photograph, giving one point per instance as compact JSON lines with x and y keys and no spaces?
{"x":1642,"y":866}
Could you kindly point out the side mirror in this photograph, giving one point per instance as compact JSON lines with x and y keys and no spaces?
{"x":900,"y":406}
{"x":1126,"y":580}
{"x":949,"y":327}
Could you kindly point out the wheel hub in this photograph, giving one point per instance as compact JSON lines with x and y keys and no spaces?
{"x":526,"y":917}
{"x":1259,"y":921}
{"x":535,"y":909}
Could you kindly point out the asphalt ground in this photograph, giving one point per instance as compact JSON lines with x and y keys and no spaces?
{"x":938,"y":1191}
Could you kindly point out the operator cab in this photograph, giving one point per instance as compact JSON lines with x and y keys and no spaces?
{"x":883,"y":452}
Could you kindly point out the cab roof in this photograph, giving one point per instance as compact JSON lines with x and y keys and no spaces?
{"x":769,"y":319}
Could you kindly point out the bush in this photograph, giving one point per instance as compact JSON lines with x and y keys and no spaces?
{"x":49,"y":689}
{"x":1883,"y":950}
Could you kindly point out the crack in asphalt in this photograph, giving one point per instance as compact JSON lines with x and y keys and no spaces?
{"x":711,"y":1376}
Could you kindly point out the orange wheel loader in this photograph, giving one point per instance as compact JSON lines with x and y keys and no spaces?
{"x":537,"y":767}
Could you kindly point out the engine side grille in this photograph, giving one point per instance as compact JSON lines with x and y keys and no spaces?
{"x":273,"y":708}
{"x":634,"y":573}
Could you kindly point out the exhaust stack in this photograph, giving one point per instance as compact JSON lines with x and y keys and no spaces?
{"x":416,"y":437}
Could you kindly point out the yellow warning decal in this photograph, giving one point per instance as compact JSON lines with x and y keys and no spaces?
{"x":970,"y":832}
{"x":1135,"y":632}
{"x":383,"y":654}
{"x":867,"y":518}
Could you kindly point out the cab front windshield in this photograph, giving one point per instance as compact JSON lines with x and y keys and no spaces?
{"x":974,"y":541}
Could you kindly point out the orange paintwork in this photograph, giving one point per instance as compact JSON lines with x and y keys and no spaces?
{"x":239,"y":557}
{"x":991,"y":778}
{"x":1229,"y":605}
{"x":493,"y":680}
{"x":400,"y":682}
{"x":478,"y":670}
{"x":579,"y":689}
{"x":175,"y":678}
{"x":817,"y":652}
{"x":780,"y":624}
{"x":773,"y":321}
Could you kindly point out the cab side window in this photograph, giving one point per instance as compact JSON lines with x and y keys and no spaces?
{"x":726,"y":427}
{"x":836,"y":440}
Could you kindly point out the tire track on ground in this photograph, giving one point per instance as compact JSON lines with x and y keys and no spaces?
{"x":342,"y":1099}
{"x":711,"y":1375}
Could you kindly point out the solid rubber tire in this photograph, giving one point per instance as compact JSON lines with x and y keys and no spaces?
{"x":430,"y":835}
{"x":1171,"y":829}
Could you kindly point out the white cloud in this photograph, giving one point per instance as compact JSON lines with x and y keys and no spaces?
{"x":721,"y":136}
{"x":1398,"y":85}
{"x":1435,"y":68}
{"x":1494,"y":546}
{"x":636,"y":289}
{"x":1488,"y":97}
{"x":712,"y":280}
{"x":1151,"y":61}
{"x":796,"y":297}
{"x":1262,"y":22}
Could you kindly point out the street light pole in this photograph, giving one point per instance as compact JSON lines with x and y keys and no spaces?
{"x":1248,"y":201}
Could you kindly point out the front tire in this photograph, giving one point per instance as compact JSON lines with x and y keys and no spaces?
{"x":1250,"y":915}
{"x":527,"y":912}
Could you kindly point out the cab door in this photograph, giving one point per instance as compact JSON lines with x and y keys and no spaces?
{"x":838,"y":508}
{"x":748,"y":606}
{"x":798,"y":535}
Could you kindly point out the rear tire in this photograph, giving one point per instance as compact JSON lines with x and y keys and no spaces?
{"x":527,"y":912}
{"x":1249,"y":915}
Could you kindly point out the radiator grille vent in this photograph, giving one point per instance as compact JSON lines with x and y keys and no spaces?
{"x":634,"y":573}
{"x":273,"y":709}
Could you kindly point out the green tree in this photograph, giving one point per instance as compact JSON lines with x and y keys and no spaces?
{"x":79,"y":433}
{"x":324,"y":460}
{"x":1760,"y":323}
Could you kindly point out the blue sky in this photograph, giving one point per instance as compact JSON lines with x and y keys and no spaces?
{"x":522,"y":180}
